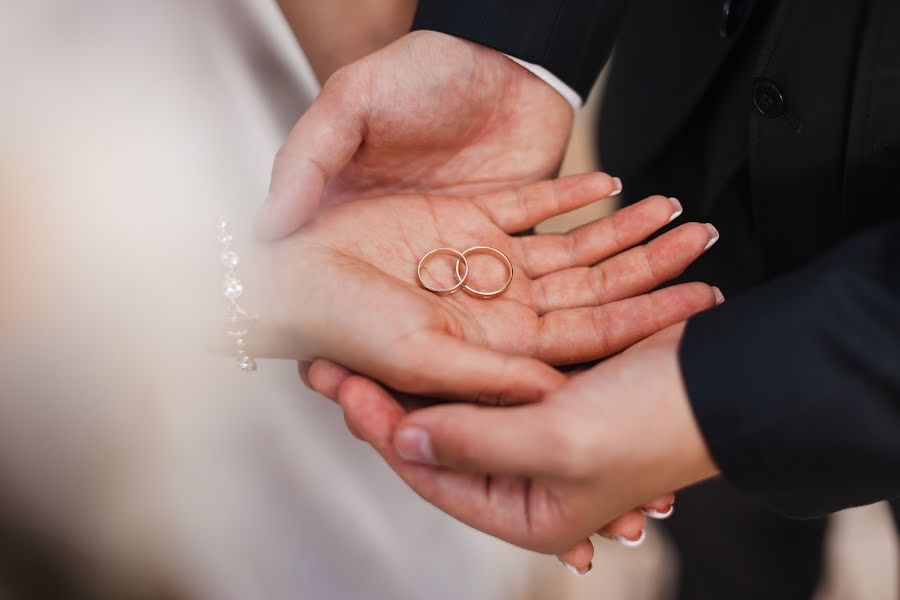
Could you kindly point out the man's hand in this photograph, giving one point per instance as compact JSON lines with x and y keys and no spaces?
{"x":428,"y":114}
{"x":546,"y":476}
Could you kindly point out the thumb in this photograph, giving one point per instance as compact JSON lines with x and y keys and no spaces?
{"x":318,"y":148}
{"x":520,"y":441}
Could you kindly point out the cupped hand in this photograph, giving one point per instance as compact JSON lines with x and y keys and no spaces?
{"x":430,"y":113}
{"x":344,"y":288}
{"x":546,"y":476}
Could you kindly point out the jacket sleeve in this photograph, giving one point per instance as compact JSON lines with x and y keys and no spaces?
{"x":796,"y":386}
{"x":570,"y":38}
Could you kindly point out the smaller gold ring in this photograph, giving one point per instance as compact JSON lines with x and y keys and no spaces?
{"x":485,"y":250}
{"x":461,"y":258}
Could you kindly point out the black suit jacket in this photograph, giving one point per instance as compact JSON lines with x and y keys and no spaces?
{"x":780,"y":122}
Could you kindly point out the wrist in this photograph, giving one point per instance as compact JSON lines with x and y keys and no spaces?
{"x":683,"y":447}
{"x":693,"y":461}
{"x":280,"y":277}
{"x":652,"y":443}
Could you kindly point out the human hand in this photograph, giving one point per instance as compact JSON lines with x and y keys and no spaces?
{"x":344,"y":289}
{"x":429,"y":113}
{"x":547,"y":475}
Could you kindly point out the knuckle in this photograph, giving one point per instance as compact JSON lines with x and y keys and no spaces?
{"x":651,"y":263}
{"x":599,"y":281}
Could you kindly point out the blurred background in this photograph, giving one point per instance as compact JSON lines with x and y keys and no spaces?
{"x":133,"y":464}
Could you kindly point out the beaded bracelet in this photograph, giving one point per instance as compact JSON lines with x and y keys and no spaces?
{"x":238,"y":322}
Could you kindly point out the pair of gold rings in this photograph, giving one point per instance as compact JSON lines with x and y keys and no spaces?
{"x":462,"y":271}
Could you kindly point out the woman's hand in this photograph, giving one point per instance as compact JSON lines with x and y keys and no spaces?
{"x":546,"y":476}
{"x":344,"y":288}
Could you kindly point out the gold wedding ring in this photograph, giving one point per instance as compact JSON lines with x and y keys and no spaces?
{"x":479,"y":293}
{"x":462,"y":276}
{"x":460,"y":258}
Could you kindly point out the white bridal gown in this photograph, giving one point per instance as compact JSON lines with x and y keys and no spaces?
{"x":126,"y":128}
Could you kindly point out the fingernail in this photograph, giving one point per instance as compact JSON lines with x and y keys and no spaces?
{"x":655,"y":514}
{"x":414,"y":444}
{"x":631,"y":543}
{"x":713,"y":236}
{"x":720,"y":297}
{"x":573,"y":570}
{"x":618,"y":189}
{"x":678,"y":209}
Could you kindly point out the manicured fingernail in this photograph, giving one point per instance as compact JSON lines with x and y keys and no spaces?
{"x":720,"y":297}
{"x":678,"y":209}
{"x":655,"y":514}
{"x":618,"y":189}
{"x":632,"y":543}
{"x":573,"y":570}
{"x":713,"y":236}
{"x":414,"y":444}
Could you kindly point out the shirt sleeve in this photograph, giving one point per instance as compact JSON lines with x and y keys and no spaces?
{"x":571,"y":39}
{"x":571,"y":96}
{"x":796,"y":386}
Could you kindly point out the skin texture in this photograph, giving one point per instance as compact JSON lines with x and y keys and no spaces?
{"x":546,"y":476}
{"x":429,"y":113}
{"x":434,"y":114}
{"x":576,"y":297}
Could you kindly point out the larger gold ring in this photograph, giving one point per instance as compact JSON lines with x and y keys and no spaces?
{"x":461,"y":258}
{"x":484,"y":250}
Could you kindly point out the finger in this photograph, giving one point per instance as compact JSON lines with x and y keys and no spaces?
{"x":591,"y":243}
{"x":303,"y":370}
{"x":326,"y":377}
{"x":522,"y":208}
{"x":578,"y":559}
{"x":499,"y":510}
{"x":440,"y":365}
{"x":320,"y":145}
{"x":352,"y":428}
{"x":662,"y":504}
{"x":478,"y":439}
{"x":580,"y":335}
{"x":628,"y":530}
{"x":660,"y":508}
{"x":628,"y":274}
{"x":628,"y":526}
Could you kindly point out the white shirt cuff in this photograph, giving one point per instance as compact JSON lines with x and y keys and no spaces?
{"x":553,"y":81}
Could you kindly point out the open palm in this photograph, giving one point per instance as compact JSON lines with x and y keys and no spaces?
{"x":354,"y":267}
{"x":430,"y":113}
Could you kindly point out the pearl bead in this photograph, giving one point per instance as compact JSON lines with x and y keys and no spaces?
{"x":230,"y":259}
{"x":232,"y":288}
